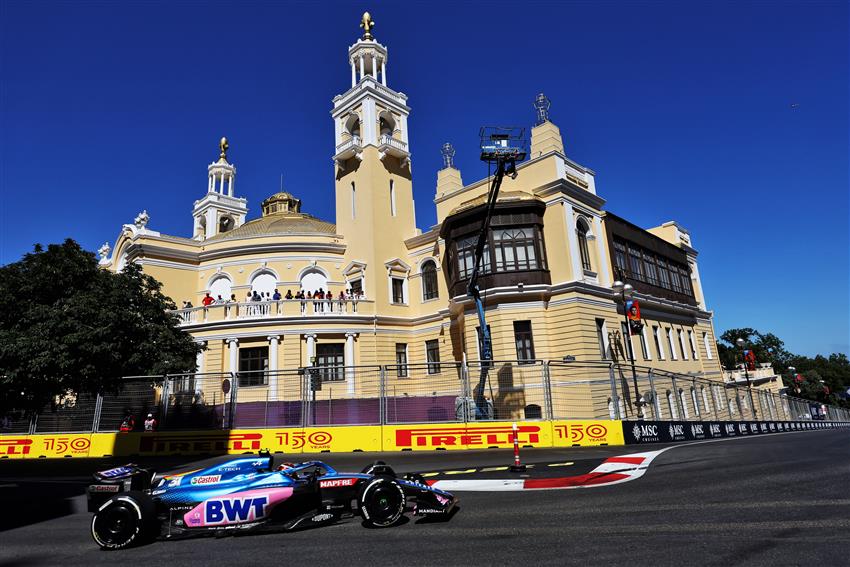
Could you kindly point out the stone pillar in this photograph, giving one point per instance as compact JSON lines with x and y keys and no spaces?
{"x":375,"y":68}
{"x":353,"y":74}
{"x":362,"y":73}
{"x":210,"y":183}
{"x":602,"y":268}
{"x":273,"y":378}
{"x":384,"y":72}
{"x":349,"y":362}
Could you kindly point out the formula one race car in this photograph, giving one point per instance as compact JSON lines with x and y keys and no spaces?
{"x":132,"y":505}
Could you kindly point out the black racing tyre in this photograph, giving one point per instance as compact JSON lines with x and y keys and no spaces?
{"x":124,"y":520}
{"x":382,"y":502}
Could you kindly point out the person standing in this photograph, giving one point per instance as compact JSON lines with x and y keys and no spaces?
{"x":150,"y":423}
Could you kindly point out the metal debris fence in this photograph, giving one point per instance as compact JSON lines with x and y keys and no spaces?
{"x":440,"y":392}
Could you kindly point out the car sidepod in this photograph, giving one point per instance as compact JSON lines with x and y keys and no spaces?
{"x":428,"y":501}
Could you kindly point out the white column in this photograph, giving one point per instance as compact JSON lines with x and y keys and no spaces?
{"x":572,"y":238}
{"x":353,"y":74}
{"x":349,"y":361}
{"x":273,"y":342}
{"x":375,"y":68}
{"x":384,"y":72}
{"x":209,"y":183}
{"x":233,"y":350}
{"x":199,"y":365}
{"x":311,"y":349}
{"x":604,"y":275}
{"x":362,"y":73}
{"x":230,"y":186}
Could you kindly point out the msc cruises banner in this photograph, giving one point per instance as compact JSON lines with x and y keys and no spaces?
{"x":641,"y":432}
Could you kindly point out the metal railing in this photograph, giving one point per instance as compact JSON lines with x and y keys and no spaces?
{"x":438,"y":392}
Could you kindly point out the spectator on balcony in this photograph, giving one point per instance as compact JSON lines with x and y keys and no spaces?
{"x":276,"y":295}
{"x":303,"y":302}
{"x":150,"y":423}
{"x":256,"y":296}
{"x":318,"y":297}
{"x":341,"y":301}
{"x":208,"y":300}
{"x":128,"y":423}
{"x":188,"y":305}
{"x":329,"y":297}
{"x":220,"y":300}
{"x":288,"y":294}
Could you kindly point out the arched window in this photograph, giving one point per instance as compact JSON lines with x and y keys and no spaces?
{"x":220,"y":286}
{"x":225,"y":224}
{"x":352,"y":125}
{"x":386,"y":124}
{"x":313,"y":279}
{"x":264,"y":283}
{"x":581,"y":230}
{"x":429,"y":280}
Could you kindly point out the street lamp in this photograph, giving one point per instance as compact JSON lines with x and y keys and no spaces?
{"x":624,"y":292}
{"x":741,"y":343}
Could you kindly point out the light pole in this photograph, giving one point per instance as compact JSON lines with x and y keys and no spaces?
{"x":741,"y":343}
{"x":624,"y":292}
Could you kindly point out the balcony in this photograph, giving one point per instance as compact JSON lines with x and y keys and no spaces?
{"x":393,"y":147}
{"x":761,"y":375}
{"x":285,"y":308}
{"x":348,"y":149}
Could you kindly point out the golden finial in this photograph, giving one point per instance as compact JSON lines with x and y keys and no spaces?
{"x":223,"y":145}
{"x":367,"y":24}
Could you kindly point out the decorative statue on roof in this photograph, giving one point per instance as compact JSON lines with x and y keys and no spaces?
{"x":223,"y":146}
{"x":103,"y":251}
{"x":367,"y":24}
{"x":142,"y":219}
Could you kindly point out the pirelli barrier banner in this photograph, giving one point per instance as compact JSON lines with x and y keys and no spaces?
{"x":414,"y":437}
{"x":642,"y":432}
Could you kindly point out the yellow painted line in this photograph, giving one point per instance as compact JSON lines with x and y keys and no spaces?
{"x":430,"y":474}
{"x":467,"y":471}
{"x":494,"y":469}
{"x":561,"y":464}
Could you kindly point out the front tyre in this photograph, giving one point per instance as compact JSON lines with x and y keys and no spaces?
{"x":124,"y":520}
{"x":382,"y":502}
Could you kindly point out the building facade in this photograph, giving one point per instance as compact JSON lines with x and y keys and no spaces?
{"x":553,"y":254}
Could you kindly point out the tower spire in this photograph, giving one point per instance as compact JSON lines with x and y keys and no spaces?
{"x":367,"y":24}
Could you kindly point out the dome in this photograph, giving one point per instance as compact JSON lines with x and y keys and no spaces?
{"x":279,"y":224}
{"x":282,"y":202}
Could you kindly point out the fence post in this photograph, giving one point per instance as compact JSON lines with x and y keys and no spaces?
{"x":614,"y":397}
{"x":234,"y":396}
{"x":98,"y":404}
{"x":655,"y":405}
{"x":761,"y":406}
{"x":33,"y":423}
{"x":726,"y":400}
{"x":547,"y":391}
{"x":464,"y":377}
{"x":677,"y":399}
{"x":166,"y":391}
{"x":382,"y":395}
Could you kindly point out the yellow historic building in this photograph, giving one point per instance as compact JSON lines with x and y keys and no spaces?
{"x":553,"y":255}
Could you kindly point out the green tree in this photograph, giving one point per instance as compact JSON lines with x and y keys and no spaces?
{"x":68,"y":326}
{"x":766,"y":346}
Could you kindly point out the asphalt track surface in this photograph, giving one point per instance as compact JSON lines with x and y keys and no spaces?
{"x":767,"y":500}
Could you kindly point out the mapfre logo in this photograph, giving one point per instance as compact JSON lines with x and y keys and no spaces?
{"x":191,"y":443}
{"x":337,"y":482}
{"x":13,"y":446}
{"x":455,"y":437}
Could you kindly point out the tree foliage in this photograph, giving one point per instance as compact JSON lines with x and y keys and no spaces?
{"x":823,"y":379}
{"x":68,"y":326}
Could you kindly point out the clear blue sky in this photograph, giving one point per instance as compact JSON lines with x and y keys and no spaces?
{"x":729,"y":117}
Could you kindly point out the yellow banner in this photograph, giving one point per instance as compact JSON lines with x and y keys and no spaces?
{"x":455,"y":436}
{"x":587,"y":433}
{"x":339,"y":439}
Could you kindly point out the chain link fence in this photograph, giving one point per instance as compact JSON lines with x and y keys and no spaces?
{"x":438,"y":392}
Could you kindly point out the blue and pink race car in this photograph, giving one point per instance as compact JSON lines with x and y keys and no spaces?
{"x":132,"y":505}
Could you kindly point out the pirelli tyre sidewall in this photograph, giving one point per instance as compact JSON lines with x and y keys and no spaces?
{"x":123,"y":521}
{"x":382,"y":502}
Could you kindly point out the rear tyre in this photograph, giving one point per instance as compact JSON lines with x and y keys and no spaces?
{"x":382,"y":502}
{"x":125,"y":520}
